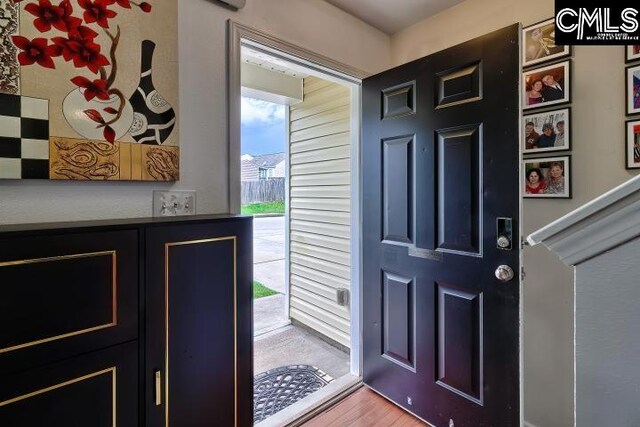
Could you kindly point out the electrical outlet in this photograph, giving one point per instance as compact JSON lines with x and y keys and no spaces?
{"x":174,"y":203}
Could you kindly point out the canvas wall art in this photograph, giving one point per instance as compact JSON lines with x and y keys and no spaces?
{"x":89,"y":90}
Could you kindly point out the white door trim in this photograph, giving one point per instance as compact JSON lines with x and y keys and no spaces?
{"x":237,"y":35}
{"x":287,"y":212}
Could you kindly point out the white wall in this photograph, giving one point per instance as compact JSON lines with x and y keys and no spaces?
{"x":312,"y":24}
{"x":598,"y":165}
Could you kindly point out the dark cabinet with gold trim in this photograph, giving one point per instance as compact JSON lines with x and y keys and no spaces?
{"x":127,"y":322}
{"x":98,"y":389}
{"x":63,"y":294}
{"x":196,"y":309}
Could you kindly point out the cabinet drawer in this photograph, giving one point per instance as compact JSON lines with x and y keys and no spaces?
{"x":98,"y":389}
{"x":66,"y":294}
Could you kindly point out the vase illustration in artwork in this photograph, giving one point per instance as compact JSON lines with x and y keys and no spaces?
{"x":96,"y":108}
{"x":77,"y":111}
{"x":153,"y":118}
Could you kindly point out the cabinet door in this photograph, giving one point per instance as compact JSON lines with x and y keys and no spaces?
{"x":66,"y":294}
{"x":99,"y":389}
{"x":198,"y":324}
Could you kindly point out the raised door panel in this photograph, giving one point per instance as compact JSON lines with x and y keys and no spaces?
{"x":99,"y":389}
{"x":66,"y":294}
{"x":398,"y":318}
{"x":459,"y":190}
{"x":459,"y":341}
{"x":199,"y":338}
{"x":397,"y":190}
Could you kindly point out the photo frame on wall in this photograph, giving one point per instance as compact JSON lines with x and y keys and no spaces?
{"x":632,"y":53}
{"x":547,"y":177}
{"x":632,"y":147}
{"x":540,"y":44}
{"x":633,"y":89}
{"x":547,"y":131}
{"x":548,"y":85}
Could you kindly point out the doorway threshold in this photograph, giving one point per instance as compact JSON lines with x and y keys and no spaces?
{"x":312,"y":405}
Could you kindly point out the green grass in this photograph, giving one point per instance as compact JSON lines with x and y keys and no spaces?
{"x":264,"y":208}
{"x":260,"y":290}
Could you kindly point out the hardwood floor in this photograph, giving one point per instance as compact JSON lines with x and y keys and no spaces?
{"x":364,"y":408}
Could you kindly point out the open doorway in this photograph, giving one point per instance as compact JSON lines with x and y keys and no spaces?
{"x":306,"y":245}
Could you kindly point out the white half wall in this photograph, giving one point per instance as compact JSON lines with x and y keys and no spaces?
{"x":312,"y":24}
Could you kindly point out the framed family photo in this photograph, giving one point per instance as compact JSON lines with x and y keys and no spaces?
{"x":547,"y":178}
{"x":540,"y":43}
{"x":547,"y":131}
{"x":633,"y":144}
{"x":549,"y":85}
{"x":633,"y":90}
{"x":633,"y":53}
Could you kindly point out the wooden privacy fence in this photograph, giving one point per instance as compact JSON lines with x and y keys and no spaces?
{"x":264,"y":190}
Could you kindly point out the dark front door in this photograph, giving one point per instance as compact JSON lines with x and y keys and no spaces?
{"x":440,"y":175}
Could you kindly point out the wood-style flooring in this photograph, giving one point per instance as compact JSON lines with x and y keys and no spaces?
{"x":364,"y":408}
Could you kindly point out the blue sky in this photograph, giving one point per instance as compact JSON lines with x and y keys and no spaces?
{"x":263,"y":129}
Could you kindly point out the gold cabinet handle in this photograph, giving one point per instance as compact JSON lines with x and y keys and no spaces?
{"x":158,"y":396}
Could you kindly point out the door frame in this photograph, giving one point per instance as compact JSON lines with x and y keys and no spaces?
{"x":337,"y":72}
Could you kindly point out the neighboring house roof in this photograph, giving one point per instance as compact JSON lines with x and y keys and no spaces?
{"x":251,"y":167}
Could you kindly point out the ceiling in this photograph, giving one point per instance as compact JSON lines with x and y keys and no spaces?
{"x":391,"y":16}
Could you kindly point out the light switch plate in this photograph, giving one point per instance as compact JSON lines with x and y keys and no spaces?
{"x":174,"y":203}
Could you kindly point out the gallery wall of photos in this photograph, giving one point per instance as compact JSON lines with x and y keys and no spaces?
{"x":546,"y":106}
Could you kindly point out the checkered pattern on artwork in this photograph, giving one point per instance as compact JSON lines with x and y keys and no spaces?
{"x":24,"y":137}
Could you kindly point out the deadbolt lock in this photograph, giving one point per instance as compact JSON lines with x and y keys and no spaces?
{"x":504,"y":233}
{"x":503,"y":242}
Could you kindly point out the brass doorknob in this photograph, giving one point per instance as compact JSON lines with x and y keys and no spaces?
{"x":504,"y":273}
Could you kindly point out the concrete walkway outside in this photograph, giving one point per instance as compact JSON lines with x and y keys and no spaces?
{"x":292,"y":345}
{"x":268,"y":314}
{"x":268,"y":252}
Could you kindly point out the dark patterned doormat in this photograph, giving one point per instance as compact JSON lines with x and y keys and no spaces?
{"x":280,"y":387}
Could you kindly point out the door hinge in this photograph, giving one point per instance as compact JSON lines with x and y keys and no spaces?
{"x":522,"y":273}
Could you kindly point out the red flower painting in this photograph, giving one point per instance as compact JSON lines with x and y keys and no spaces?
{"x":75,"y":42}
{"x":97,"y":11}
{"x":59,"y":17}
{"x":92,"y":89}
{"x":36,"y":50}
